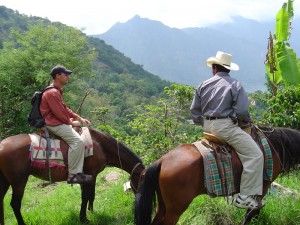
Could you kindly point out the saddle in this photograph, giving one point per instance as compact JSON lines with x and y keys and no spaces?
{"x":59,"y":148}
{"x":42,"y":133}
{"x":218,"y":145}
{"x":222,"y":151}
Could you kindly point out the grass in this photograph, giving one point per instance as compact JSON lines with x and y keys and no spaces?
{"x":60,"y":204}
{"x":279,"y":210}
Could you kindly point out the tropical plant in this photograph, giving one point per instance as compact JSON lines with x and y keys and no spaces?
{"x":283,"y":74}
{"x":281,"y":62}
{"x":284,"y":109}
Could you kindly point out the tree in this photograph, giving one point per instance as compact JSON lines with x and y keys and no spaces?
{"x":283,"y":74}
{"x":26,"y":60}
{"x":157,"y":128}
{"x":284,"y":109}
{"x":281,"y":62}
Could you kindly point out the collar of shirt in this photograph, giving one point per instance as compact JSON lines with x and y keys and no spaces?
{"x":222,"y":74}
{"x":57,"y":87}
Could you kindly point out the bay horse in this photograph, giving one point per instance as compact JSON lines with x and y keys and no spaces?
{"x":177,"y":178}
{"x":15,"y":168}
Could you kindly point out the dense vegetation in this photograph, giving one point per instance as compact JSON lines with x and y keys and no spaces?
{"x":148,"y":114}
{"x":32,"y":47}
{"x":140,"y":109}
{"x":121,"y":94}
{"x":283,"y":75}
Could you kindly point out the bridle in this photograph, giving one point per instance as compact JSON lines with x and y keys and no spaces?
{"x":132,"y":172}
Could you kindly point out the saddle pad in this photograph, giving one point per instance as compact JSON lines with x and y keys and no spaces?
{"x":268,"y":165}
{"x":38,"y":150}
{"x":218,"y":183}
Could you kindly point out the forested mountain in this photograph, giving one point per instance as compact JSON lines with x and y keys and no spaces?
{"x":109,"y":60}
{"x":179,"y":55}
{"x":116,"y":84}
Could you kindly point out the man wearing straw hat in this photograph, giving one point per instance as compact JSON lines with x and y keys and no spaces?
{"x":217,"y":105}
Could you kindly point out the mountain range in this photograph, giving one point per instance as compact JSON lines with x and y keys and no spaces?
{"x":179,"y":55}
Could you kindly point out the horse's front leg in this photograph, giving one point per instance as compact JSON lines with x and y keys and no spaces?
{"x":250,"y":214}
{"x":87,"y":190}
{"x":91,"y":198}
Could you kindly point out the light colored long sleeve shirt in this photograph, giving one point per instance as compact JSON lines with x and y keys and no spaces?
{"x":220,"y":96}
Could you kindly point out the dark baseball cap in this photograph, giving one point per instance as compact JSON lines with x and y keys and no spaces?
{"x":59,"y":69}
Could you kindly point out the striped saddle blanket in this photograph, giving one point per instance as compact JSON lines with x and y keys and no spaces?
{"x":220,"y":180}
{"x":38,"y":150}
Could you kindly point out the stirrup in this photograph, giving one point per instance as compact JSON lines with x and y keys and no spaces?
{"x":248,"y":203}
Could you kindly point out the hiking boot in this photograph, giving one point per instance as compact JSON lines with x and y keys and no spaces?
{"x":247,"y":202}
{"x":79,"y":178}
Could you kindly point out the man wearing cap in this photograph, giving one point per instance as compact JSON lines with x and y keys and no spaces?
{"x":218,"y":103}
{"x":60,"y":119}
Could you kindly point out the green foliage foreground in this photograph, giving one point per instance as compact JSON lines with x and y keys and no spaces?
{"x":60,"y":204}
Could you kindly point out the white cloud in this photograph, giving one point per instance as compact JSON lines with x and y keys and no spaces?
{"x":97,"y":16}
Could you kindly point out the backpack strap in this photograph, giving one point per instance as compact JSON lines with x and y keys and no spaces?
{"x":45,"y":89}
{"x":49,"y":87}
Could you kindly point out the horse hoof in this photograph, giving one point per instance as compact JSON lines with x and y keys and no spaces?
{"x":45,"y":184}
{"x":84,"y":221}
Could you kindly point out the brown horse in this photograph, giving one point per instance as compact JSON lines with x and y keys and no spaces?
{"x":178,"y":177}
{"x":15,"y":168}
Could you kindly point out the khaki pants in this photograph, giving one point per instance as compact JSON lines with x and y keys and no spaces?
{"x":247,"y":150}
{"x":76,"y":145}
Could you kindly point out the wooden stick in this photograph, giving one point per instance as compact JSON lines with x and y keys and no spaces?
{"x":79,"y":108}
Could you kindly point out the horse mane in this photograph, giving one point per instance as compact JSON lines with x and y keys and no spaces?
{"x":114,"y":145}
{"x":285,"y":142}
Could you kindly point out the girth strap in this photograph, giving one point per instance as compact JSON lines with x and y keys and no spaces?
{"x":49,"y":152}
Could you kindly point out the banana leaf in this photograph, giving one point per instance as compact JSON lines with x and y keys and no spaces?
{"x":287,"y":64}
{"x":282,"y":24}
{"x":282,"y":63}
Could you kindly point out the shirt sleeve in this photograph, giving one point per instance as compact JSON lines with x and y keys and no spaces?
{"x":241,"y":105}
{"x":196,"y":111}
{"x":59,"y":108}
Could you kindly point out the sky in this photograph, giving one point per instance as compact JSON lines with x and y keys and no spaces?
{"x":98,"y":16}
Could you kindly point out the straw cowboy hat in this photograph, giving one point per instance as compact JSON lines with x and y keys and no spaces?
{"x":223,"y":59}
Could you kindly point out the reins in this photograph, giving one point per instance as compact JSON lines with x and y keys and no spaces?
{"x":274,"y":149}
{"x":132,"y":171}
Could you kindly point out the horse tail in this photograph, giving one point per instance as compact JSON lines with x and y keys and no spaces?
{"x":145,"y":199}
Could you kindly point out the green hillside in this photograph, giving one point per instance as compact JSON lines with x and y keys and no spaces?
{"x":113,"y":82}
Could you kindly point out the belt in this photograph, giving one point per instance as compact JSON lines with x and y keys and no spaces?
{"x":216,"y":118}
